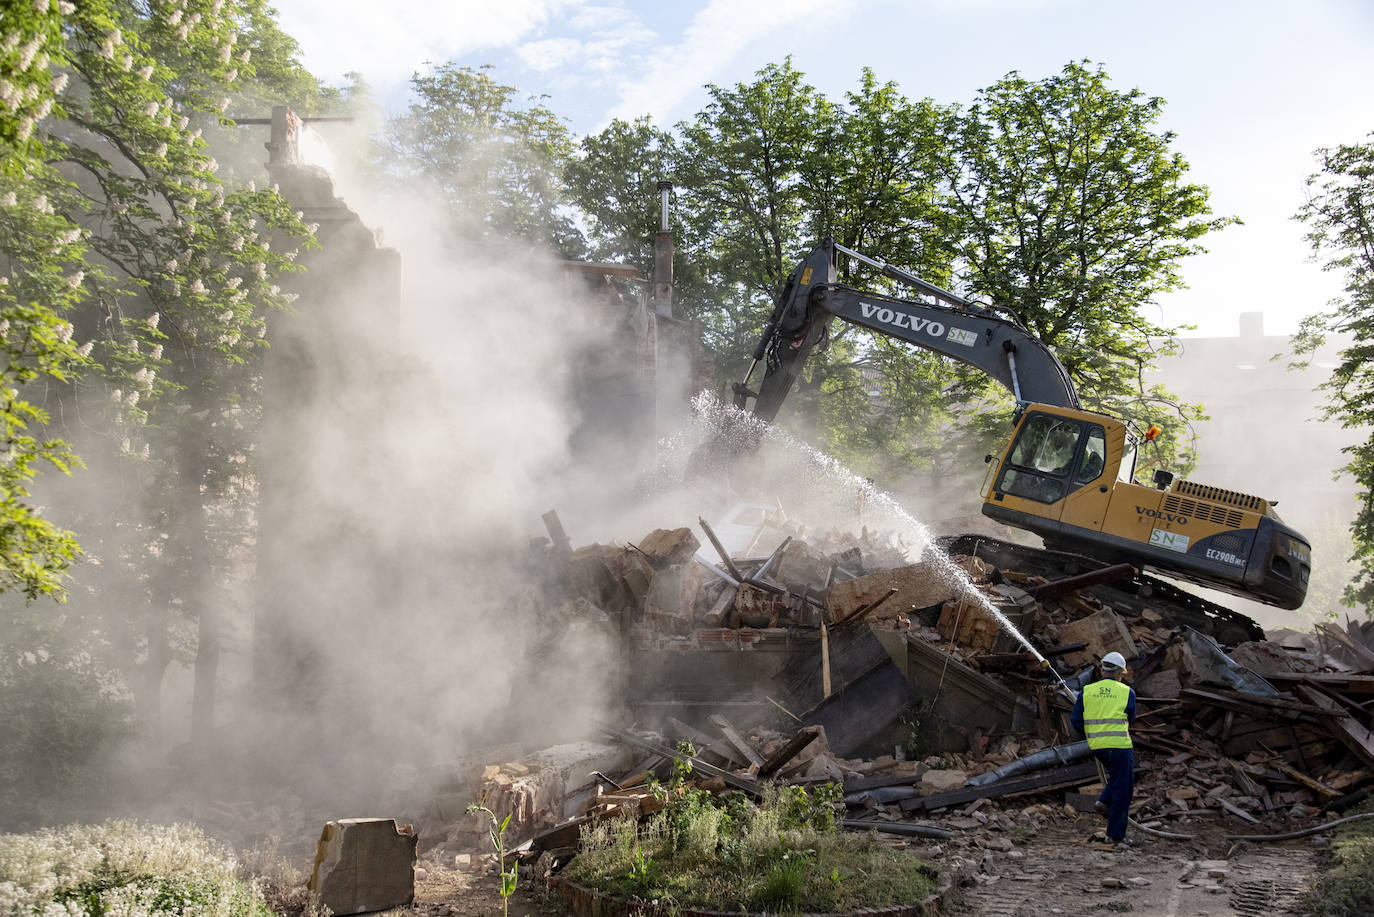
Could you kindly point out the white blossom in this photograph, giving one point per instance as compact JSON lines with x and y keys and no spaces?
{"x":145,"y":451}
{"x":8,"y":200}
{"x":74,"y":280}
{"x":30,"y":49}
{"x":233,"y":283}
{"x":146,"y":72}
{"x":125,"y":446}
{"x":40,"y":6}
{"x":126,"y":63}
{"x":291,"y":297}
{"x":197,"y":287}
{"x":247,"y":53}
{"x":59,"y":83}
{"x":107,"y":49}
{"x":170,"y":265}
{"x":43,"y":109}
{"x":64,"y":332}
{"x":116,"y":395}
{"x":4,"y":327}
{"x":175,"y":17}
{"x":156,"y":352}
{"x":231,"y":76}
{"x":161,"y":151}
{"x":70,"y":236}
{"x":166,"y":119}
{"x":153,"y":319}
{"x":226,"y":316}
{"x":65,"y":7}
{"x":225,"y":52}
{"x":150,"y":109}
{"x":85,"y":349}
{"x":312,"y":228}
{"x":26,"y":128}
{"x":182,"y":122}
{"x":262,"y":330}
{"x":261,"y":270}
{"x":182,"y":32}
{"x":131,"y":399}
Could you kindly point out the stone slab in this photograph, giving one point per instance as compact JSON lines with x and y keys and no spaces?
{"x":364,"y":864}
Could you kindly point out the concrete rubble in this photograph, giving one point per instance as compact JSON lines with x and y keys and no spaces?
{"x":364,"y":864}
{"x":833,"y":658}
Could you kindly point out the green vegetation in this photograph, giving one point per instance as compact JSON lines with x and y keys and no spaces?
{"x":1340,"y":219}
{"x":1059,"y":198}
{"x":784,"y":855}
{"x":1347,"y":887}
{"x":122,"y":868}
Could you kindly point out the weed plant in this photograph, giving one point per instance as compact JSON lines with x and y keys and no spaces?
{"x":122,"y":868}
{"x":783,"y":855}
{"x":1346,"y":887}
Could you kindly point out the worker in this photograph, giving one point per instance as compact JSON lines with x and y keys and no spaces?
{"x":1103,"y":712}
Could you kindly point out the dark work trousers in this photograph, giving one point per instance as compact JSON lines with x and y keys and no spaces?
{"x":1120,"y":764}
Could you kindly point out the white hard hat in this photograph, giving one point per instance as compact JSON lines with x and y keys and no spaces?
{"x":1116,"y":660}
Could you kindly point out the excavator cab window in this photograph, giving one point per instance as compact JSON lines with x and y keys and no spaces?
{"x":1040,"y":460}
{"x":1126,"y":473}
{"x":1094,"y":457}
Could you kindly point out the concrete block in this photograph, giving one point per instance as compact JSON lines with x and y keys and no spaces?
{"x":669,"y":546}
{"x":364,"y":864}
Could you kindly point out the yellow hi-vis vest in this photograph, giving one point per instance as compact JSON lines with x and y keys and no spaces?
{"x":1104,"y":714}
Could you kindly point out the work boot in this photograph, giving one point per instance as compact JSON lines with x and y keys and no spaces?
{"x":1120,"y":842}
{"x":1100,"y":808}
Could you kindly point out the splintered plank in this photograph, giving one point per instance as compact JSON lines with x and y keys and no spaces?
{"x":735,"y":739}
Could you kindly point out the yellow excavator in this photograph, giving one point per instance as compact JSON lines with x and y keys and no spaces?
{"x":1067,"y":474}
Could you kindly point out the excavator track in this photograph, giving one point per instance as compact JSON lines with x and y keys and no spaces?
{"x":1130,"y":596}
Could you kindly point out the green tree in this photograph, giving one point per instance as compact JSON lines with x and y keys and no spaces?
{"x":496,"y":165}
{"x":613,"y":181}
{"x":1075,"y":212}
{"x":41,"y":254}
{"x":167,"y":312}
{"x":1340,"y":218}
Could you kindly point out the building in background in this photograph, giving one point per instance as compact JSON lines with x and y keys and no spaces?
{"x":1265,"y":436}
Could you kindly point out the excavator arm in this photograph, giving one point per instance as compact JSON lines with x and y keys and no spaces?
{"x":946,"y":324}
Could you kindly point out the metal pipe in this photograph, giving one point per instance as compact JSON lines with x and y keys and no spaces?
{"x":903,"y":828}
{"x":1015,"y":380}
{"x":1056,"y":755}
{"x":898,"y":274}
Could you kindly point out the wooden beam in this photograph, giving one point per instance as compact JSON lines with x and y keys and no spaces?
{"x":735,"y":739}
{"x":803,"y":737}
{"x":1344,"y":726}
{"x":1059,"y":778}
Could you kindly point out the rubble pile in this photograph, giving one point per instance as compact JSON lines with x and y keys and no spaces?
{"x":838,"y":660}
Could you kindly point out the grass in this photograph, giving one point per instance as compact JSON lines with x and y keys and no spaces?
{"x":122,"y":868}
{"x":1346,"y":888}
{"x":780,"y":857}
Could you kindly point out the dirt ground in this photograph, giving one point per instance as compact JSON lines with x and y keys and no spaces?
{"x":1054,"y":872}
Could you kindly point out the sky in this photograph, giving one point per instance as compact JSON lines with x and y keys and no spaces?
{"x":1252,"y":87}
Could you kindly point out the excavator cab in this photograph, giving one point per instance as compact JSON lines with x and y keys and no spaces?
{"x":1068,"y":475}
